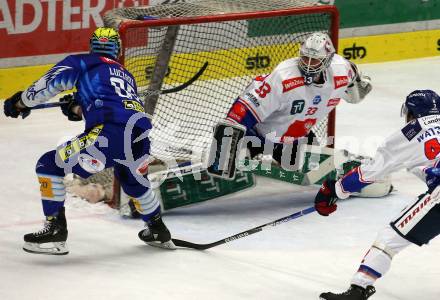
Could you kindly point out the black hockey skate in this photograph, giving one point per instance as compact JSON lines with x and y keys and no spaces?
{"x":353,"y":293}
{"x":157,"y":234}
{"x":53,"y":236}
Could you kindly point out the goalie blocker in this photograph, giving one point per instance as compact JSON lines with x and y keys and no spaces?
{"x":227,"y":142}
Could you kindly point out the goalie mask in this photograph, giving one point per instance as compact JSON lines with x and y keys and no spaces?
{"x":315,"y":55}
{"x":421,"y":103}
{"x":105,"y":41}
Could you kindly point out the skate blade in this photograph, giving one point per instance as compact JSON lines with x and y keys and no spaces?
{"x":58,"y":248}
{"x":166,"y":245}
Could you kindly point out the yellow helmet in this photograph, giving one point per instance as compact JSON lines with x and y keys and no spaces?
{"x":105,"y":40}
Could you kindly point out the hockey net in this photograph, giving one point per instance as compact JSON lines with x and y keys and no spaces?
{"x":191,"y":60}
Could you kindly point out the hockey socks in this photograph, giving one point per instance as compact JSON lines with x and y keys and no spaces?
{"x":53,"y":193}
{"x":147,"y":205}
{"x":377,"y":261}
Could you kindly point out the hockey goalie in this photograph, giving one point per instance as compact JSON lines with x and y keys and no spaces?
{"x":276,"y":112}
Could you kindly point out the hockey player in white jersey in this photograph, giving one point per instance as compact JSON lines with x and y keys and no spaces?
{"x":283,"y":106}
{"x":415,"y":147}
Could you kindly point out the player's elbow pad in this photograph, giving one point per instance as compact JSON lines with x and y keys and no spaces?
{"x":358,"y":89}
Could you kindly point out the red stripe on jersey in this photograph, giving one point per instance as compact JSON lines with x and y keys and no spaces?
{"x":342,"y":187}
{"x":231,"y":120}
{"x":108,"y":60}
{"x":361,"y":176}
{"x":241,"y":100}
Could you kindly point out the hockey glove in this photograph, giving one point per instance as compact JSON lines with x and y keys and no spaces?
{"x":67,"y":107}
{"x":325,"y":200}
{"x":360,"y":87}
{"x":13,"y":107}
{"x":364,"y":85}
{"x":432,"y":178}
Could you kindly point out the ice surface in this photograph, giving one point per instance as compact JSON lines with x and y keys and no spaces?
{"x":296,"y":260}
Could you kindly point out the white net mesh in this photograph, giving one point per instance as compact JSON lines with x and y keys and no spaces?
{"x":191,"y":60}
{"x":207,"y":62}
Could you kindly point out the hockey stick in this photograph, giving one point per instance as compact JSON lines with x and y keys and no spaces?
{"x":180,"y":87}
{"x":163,"y":92}
{"x":47,"y":105}
{"x":185,"y":244}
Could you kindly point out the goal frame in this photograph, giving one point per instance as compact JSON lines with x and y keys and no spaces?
{"x":125,"y":25}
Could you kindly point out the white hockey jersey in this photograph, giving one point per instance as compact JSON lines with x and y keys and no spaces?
{"x":415,"y":147}
{"x":285,"y":108}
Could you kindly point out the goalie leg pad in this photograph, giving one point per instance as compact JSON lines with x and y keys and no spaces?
{"x":223,"y":152}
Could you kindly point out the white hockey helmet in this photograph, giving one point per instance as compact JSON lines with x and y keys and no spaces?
{"x":316,"y":54}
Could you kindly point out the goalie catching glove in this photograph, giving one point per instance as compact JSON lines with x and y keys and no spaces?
{"x":70,"y":108}
{"x":14,"y":106}
{"x":224,"y":148}
{"x":359,"y":88}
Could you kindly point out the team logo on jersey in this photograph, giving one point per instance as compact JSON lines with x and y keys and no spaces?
{"x":412,"y":129}
{"x":333,"y":102}
{"x":90,"y":164}
{"x":316,"y":100}
{"x":292,"y":83}
{"x":297,"y":107}
{"x":340,"y":81}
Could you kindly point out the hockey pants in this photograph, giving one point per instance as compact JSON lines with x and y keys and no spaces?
{"x":101,"y":147}
{"x":417,"y":224}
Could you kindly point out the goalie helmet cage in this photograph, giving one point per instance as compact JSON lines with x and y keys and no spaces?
{"x":191,"y":60}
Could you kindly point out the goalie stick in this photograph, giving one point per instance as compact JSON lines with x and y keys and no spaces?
{"x":186,"y":244}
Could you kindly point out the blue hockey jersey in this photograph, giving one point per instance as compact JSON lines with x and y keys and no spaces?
{"x":106,"y":91}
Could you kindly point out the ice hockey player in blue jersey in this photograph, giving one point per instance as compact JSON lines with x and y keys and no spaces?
{"x":415,"y":147}
{"x":116,"y":135}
